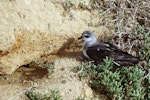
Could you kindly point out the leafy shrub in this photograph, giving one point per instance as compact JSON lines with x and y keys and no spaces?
{"x":54,"y":95}
{"x":118,"y":83}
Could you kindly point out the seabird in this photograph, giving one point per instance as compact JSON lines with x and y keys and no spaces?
{"x":97,"y":51}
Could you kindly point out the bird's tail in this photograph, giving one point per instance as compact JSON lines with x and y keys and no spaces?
{"x":125,"y":59}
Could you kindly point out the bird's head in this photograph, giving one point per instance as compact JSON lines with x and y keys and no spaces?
{"x":88,"y":36}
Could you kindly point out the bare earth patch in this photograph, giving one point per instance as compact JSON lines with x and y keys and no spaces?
{"x":64,"y":78}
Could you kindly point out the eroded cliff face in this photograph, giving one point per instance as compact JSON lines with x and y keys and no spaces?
{"x":30,"y":46}
{"x":30,"y":29}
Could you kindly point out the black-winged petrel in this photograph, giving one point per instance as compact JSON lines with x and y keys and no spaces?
{"x":97,"y":51}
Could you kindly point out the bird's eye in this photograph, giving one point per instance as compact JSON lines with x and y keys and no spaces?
{"x":86,"y":36}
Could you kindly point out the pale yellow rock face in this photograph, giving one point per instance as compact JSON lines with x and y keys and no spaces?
{"x":29,"y":47}
{"x":7,"y":40}
{"x":32,"y":28}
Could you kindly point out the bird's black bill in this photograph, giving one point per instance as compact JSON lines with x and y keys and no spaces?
{"x":79,"y":38}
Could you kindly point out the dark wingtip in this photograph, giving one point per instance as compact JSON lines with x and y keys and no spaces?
{"x":139,"y":59}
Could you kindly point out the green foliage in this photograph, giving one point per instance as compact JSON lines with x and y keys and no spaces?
{"x":84,"y":98}
{"x":87,"y":69}
{"x":48,"y":65}
{"x":35,"y":96}
{"x":133,"y":78}
{"x":121,"y":83}
{"x":81,"y":98}
{"x":146,"y":48}
{"x":54,"y":95}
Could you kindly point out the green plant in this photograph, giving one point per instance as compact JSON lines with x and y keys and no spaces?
{"x":36,"y":96}
{"x":146,"y":46}
{"x":86,"y":68}
{"x":54,"y":95}
{"x":133,"y":78}
{"x":84,"y":98}
{"x":81,"y":98}
{"x":48,"y":65}
{"x":118,"y":83}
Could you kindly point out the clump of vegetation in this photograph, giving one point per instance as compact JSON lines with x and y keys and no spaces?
{"x":118,"y":83}
{"x":48,"y":65}
{"x":146,"y":46}
{"x":84,"y":98}
{"x":53,"y":95}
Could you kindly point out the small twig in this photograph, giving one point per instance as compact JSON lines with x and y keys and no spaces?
{"x":72,"y":74}
{"x":105,"y":12}
{"x":130,"y":47}
{"x":135,"y":13}
{"x":21,"y":92}
{"x":113,"y":20}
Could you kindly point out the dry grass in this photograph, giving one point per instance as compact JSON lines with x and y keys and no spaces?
{"x":126,"y":17}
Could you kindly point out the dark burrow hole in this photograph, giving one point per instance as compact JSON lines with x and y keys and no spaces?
{"x":33,"y":71}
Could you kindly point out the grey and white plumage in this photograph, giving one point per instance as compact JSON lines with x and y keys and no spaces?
{"x":97,"y":51}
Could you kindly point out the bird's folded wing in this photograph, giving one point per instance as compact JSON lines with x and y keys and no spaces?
{"x":98,"y":52}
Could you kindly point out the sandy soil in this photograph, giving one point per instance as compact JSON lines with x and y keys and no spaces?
{"x":63,"y":78}
{"x":31,"y":76}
